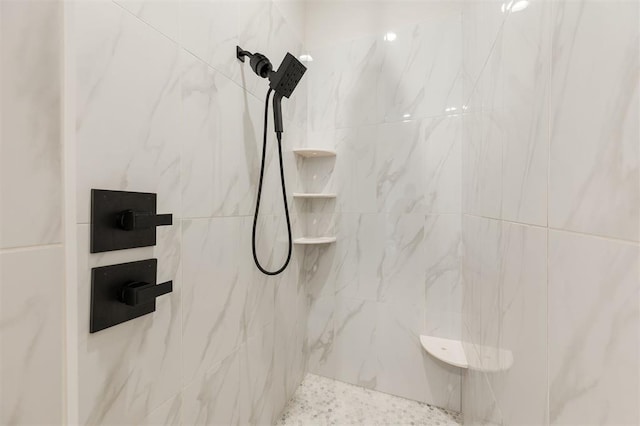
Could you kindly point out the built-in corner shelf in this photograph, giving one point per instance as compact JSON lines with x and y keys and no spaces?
{"x":482,"y":358}
{"x":446,"y":350}
{"x":312,"y":195}
{"x":313,"y":152}
{"x":314,"y":241}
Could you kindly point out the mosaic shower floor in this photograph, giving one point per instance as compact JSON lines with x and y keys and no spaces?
{"x":321,"y":402}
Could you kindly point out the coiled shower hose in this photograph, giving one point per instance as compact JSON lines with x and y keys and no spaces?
{"x":284,"y":195}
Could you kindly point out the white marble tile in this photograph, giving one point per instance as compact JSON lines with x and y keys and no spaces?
{"x":215,"y":398}
{"x":138,"y":377}
{"x":263,"y":29}
{"x":482,"y":160}
{"x":290,"y":338}
{"x":480,"y":406}
{"x":521,"y":391}
{"x":402,"y":266}
{"x":350,"y":20}
{"x":400,"y":167}
{"x":481,"y":25}
{"x":355,"y":343}
{"x":209,"y":30}
{"x":484,"y":132}
{"x":259,"y":303}
{"x":319,"y":267}
{"x":214,"y":292}
{"x":322,"y":401}
{"x":168,"y":414}
{"x":31,"y":110}
{"x":163,"y":15}
{"x":420,"y":73}
{"x":483,"y":252}
{"x":594,"y":184}
{"x":321,"y":336}
{"x":342,"y":81}
{"x":220,"y":154}
{"x":443,"y":256}
{"x":128,"y":107}
{"x":357,"y":98}
{"x":31,"y":336}
{"x":294,"y":12}
{"x":525,"y":70}
{"x":594,"y":317}
{"x":323,"y":79}
{"x":418,"y":166}
{"x":443,"y":139}
{"x":357,"y":269}
{"x":354,"y":175}
{"x":256,"y":375}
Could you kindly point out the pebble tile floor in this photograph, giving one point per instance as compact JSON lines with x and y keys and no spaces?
{"x":321,"y":402}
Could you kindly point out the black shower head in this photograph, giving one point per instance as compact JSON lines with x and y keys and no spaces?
{"x":285,"y":80}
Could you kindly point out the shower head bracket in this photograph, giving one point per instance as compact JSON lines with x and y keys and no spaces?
{"x":240,"y":54}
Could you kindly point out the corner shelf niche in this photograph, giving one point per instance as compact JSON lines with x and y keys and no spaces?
{"x":313,"y":195}
{"x":314,"y":241}
{"x":314,"y":153}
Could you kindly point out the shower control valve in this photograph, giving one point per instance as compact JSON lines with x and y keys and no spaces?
{"x":138,"y":293}
{"x":130,"y":220}
{"x":124,"y":220}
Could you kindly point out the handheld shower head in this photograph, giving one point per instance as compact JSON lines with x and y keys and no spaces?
{"x":283,"y":82}
{"x":286,"y":79}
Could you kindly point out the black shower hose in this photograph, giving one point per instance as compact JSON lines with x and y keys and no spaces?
{"x":284,"y":195}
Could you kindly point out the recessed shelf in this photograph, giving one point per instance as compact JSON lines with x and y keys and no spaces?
{"x":313,"y":152}
{"x":446,"y":350}
{"x":312,"y":195}
{"x":312,"y":241}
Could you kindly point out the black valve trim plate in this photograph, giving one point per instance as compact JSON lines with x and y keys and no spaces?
{"x":109,"y":210}
{"x":107,"y":282}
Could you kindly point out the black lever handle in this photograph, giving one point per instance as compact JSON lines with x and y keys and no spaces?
{"x":130,"y":220}
{"x":140,"y":293}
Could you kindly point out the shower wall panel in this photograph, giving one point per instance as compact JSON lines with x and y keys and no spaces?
{"x":551,"y":207}
{"x":388,"y":100}
{"x":164,"y":106}
{"x":32,"y":247}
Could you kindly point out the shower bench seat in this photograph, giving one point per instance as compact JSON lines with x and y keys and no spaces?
{"x":482,"y":358}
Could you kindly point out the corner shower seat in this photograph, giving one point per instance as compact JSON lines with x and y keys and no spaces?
{"x":446,"y":350}
{"x":451,"y":352}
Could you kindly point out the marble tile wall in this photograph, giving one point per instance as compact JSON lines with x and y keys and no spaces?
{"x":551,"y":207}
{"x":164,"y":106}
{"x":31,"y":215}
{"x":391,"y":110}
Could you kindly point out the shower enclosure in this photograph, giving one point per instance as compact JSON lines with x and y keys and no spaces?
{"x":465,"y":171}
